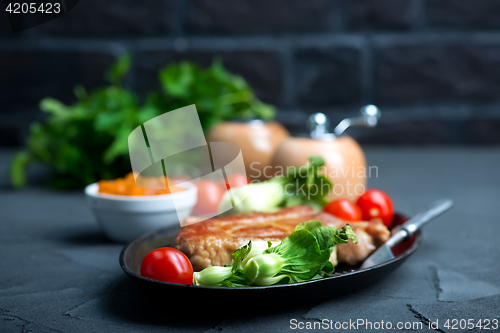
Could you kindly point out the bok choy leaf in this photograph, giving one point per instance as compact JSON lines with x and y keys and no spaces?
{"x":304,"y":185}
{"x":302,"y":256}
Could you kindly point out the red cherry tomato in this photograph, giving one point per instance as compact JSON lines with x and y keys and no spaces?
{"x":376,"y":203}
{"x":209,"y":196}
{"x":344,"y":209}
{"x":168,"y":265}
{"x":236,"y":180}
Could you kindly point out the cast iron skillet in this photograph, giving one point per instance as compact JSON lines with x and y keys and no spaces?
{"x":345,"y":279}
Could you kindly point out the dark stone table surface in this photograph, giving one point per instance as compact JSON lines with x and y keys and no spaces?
{"x":58,"y":273}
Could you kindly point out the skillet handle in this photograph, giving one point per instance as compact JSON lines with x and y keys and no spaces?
{"x":419,"y":220}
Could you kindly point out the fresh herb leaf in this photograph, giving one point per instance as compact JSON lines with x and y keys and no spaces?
{"x":116,"y":73}
{"x":19,"y":162}
{"x":88,"y":140}
{"x":316,"y":161}
{"x":218,"y":94}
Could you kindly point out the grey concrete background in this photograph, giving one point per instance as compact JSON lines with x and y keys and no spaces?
{"x":58,"y":273}
{"x":432,"y":65}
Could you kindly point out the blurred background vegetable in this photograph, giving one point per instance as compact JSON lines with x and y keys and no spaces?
{"x":303,"y":185}
{"x":217,"y":94}
{"x":87,"y":141}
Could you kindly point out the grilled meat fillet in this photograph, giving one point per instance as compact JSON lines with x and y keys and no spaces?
{"x":210,"y":242}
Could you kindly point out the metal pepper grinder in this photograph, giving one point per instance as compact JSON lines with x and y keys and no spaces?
{"x":318,"y":123}
{"x":345,"y":160}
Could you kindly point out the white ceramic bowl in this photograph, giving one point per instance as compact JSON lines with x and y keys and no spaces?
{"x":123,"y":218}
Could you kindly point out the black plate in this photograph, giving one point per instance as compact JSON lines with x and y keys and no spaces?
{"x":345,"y":278}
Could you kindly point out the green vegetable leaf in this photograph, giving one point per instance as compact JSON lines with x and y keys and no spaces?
{"x":88,"y":140}
{"x":263,"y":267}
{"x":302,"y":256}
{"x":176,"y":80}
{"x":262,"y":197}
{"x":325,"y":235}
{"x":54,"y":107}
{"x":107,"y":120}
{"x":301,"y":186}
{"x":212,"y":276}
{"x":80,"y":92}
{"x":328,"y":236}
{"x":316,"y":161}
{"x":345,"y":234}
{"x":327,"y":269}
{"x":238,"y":279}
{"x":312,"y":225}
{"x":119,"y":147}
{"x":240,"y":254}
{"x":116,"y":73}
{"x":17,"y":168}
{"x":302,"y":253}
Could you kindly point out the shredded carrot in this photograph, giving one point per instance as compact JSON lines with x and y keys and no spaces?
{"x":127,"y":186}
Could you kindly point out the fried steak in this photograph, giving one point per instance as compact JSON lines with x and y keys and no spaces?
{"x":210,"y":242}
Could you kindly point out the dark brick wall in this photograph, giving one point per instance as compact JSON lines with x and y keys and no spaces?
{"x":432,"y":66}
